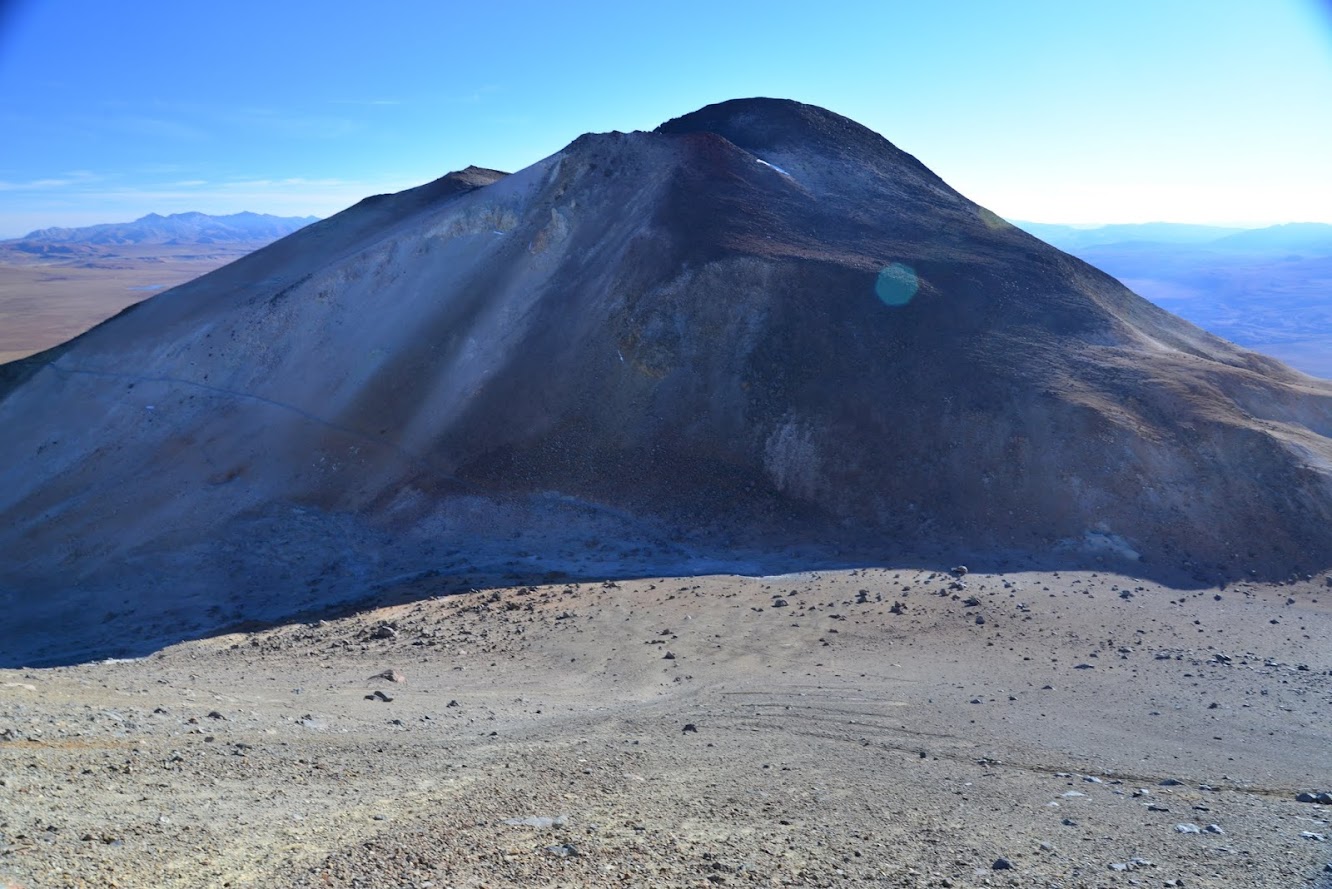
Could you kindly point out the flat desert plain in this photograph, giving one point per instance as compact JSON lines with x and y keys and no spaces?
{"x":885,"y":726}
{"x":45,"y":301}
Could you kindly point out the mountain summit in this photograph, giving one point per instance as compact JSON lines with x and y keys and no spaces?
{"x":760,"y":332}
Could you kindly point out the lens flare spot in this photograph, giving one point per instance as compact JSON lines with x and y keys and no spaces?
{"x":896,"y":285}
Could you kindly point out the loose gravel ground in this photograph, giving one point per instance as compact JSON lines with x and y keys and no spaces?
{"x":891,"y":727}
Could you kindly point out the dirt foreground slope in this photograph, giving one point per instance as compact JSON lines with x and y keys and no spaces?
{"x":883,"y":727}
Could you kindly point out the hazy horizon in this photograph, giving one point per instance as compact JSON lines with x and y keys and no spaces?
{"x":1018,"y":222}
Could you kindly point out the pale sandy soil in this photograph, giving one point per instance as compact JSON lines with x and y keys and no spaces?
{"x":837,"y":742}
{"x":45,"y":302}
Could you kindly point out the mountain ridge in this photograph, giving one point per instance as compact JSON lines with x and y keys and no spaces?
{"x":649,"y":351}
{"x":174,"y":228}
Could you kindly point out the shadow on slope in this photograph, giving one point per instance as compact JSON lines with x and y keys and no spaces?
{"x":578,"y":544}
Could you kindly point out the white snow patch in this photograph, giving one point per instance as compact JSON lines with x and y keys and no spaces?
{"x":775,"y":167}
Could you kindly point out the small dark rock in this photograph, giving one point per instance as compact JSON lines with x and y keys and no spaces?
{"x":689,"y":727}
{"x":1001,"y":864}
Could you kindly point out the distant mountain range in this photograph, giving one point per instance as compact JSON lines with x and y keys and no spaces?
{"x":1269,"y":289}
{"x":1070,"y":238}
{"x":1304,"y":236}
{"x":176,"y":229}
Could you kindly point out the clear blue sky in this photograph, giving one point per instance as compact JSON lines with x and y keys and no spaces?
{"x":1063,"y":111}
